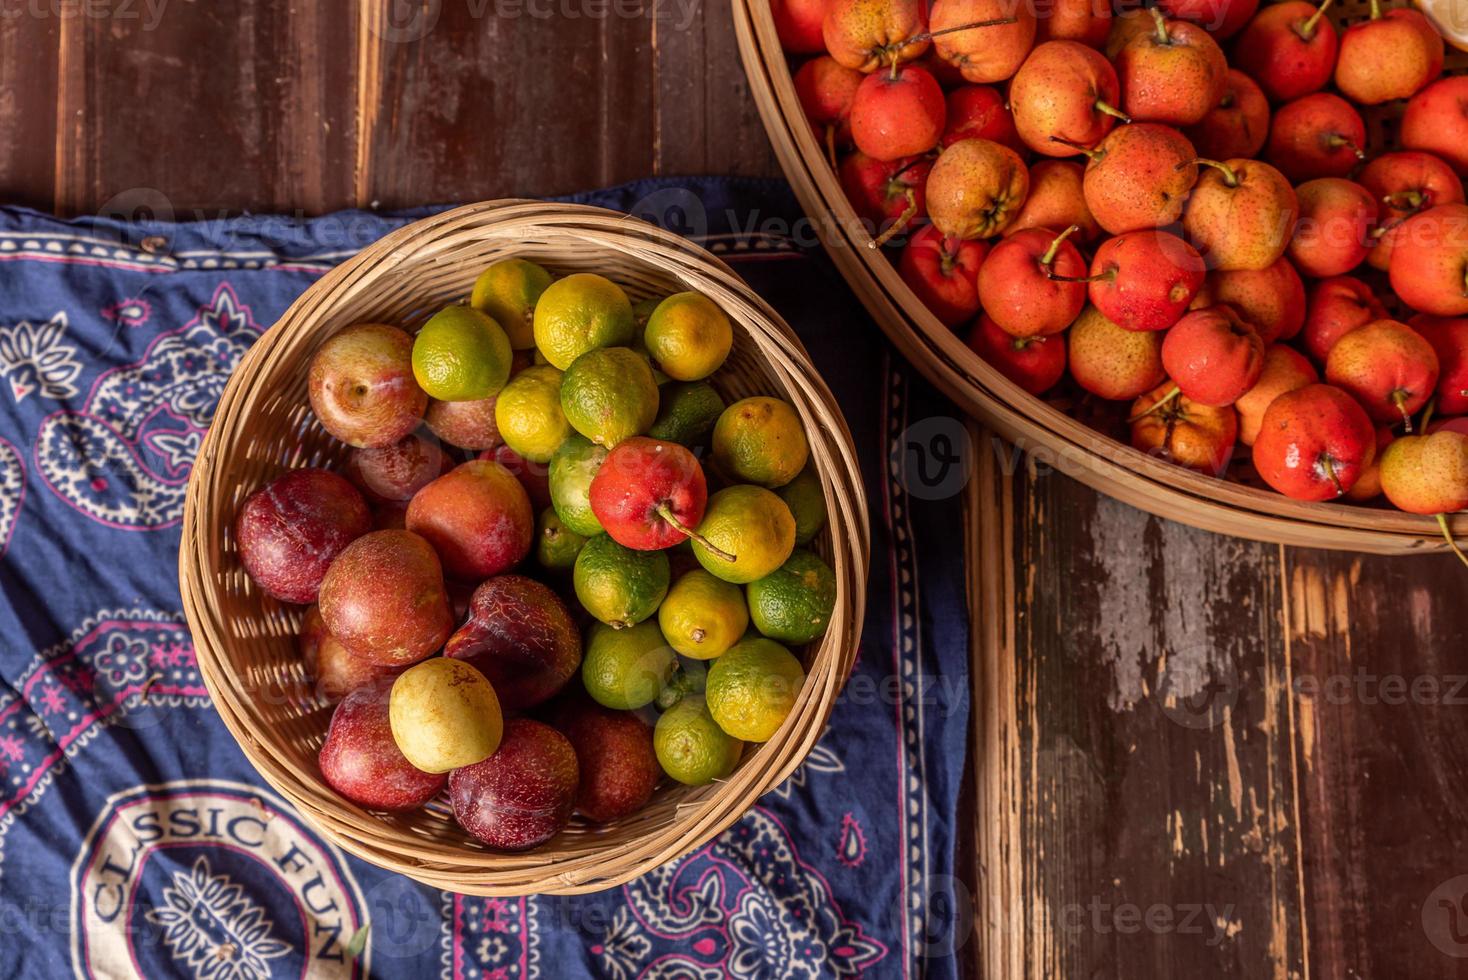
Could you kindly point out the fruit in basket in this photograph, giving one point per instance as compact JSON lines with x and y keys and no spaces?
{"x":897,"y":113}
{"x":522,"y":795}
{"x":618,"y":585}
{"x":979,"y":112}
{"x":532,"y":475}
{"x":361,"y":385}
{"x":528,"y":415}
{"x":579,"y":313}
{"x":1337,"y":306}
{"x":384,"y":598}
{"x":688,"y":336}
{"x":1139,"y":177}
{"x":461,"y":354}
{"x":609,"y":394}
{"x":794,"y":603}
{"x":1288,"y":48}
{"x":1213,"y":356}
{"x":1389,"y":56}
{"x":361,"y":761}
{"x":1405,"y":184}
{"x":798,"y":24}
{"x":478,"y":518}
{"x":826,"y":89}
{"x":626,"y":668}
{"x":976,"y":188}
{"x":944,"y":273}
{"x":1173,"y":427}
{"x":1333,"y":233}
{"x":1034,"y":282}
{"x":703,"y":615}
{"x":1429,"y":258}
{"x":444,"y":715}
{"x":1240,"y":214}
{"x":1238,"y":125}
{"x":394,"y":473}
{"x":1285,"y":370}
{"x":1449,"y":339}
{"x":521,"y":637}
{"x":1319,"y":135}
{"x":1110,"y":361}
{"x":649,"y":494}
{"x":1144,"y":280}
{"x":1085,"y":21}
{"x":291,"y":530}
{"x":750,"y":523}
{"x":983,"y":54}
{"x":1173,"y":74}
{"x":1057,"y":199}
{"x":572,"y":469}
{"x":614,"y":754}
{"x":1034,"y":363}
{"x":334,"y":670}
{"x":508,"y":290}
{"x":1064,"y":95}
{"x":1435,"y":121}
{"x":872,"y":34}
{"x":1427,"y":474}
{"x":751,"y":688}
{"x":1222,"y":18}
{"x":1368,"y":485}
{"x":1314,"y":443}
{"x":691,"y":747}
{"x":686,"y":412}
{"x":891,"y":194}
{"x":469,"y":425}
{"x":1387,"y":366}
{"x":1272,"y":298}
{"x":807,"y":503}
{"x":759,"y":440}
{"x":556,"y":545}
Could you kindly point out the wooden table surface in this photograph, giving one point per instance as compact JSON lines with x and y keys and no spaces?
{"x":1193,"y":756}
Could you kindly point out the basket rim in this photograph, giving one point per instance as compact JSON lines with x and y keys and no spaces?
{"x":701,"y":813}
{"x":1028,"y":422}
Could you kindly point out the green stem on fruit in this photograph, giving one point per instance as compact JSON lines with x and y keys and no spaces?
{"x":1413,"y":200}
{"x":1399,"y":399}
{"x":1230,"y":177}
{"x":831,"y":144}
{"x":1442,"y":522}
{"x":1048,"y":258}
{"x":1106,"y":108}
{"x":1427,"y":413}
{"x":1161,"y":25}
{"x":1306,"y":30}
{"x":1335,"y":141}
{"x":1329,"y":466}
{"x":1376,"y":9}
{"x":899,"y":224}
{"x":1156,"y":406}
{"x":666,"y":513}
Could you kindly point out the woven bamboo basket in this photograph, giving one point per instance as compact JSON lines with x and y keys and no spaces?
{"x":245,"y":641}
{"x":1042,"y":431}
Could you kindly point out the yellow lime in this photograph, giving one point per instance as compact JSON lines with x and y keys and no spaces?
{"x":690,"y":745}
{"x":689,"y":336}
{"x":703,"y":615}
{"x":528,"y":413}
{"x":461,"y":355}
{"x":760,"y":440}
{"x":626,"y":669}
{"x":752,"y":688}
{"x":579,"y":313}
{"x":572,"y":469}
{"x":793,"y":604}
{"x":609,"y":394}
{"x":807,"y":503}
{"x":508,"y":291}
{"x":750,"y":523}
{"x":618,"y":585}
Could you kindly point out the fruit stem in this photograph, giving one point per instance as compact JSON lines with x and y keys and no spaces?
{"x":1229,"y":176}
{"x":1399,"y":399}
{"x":1335,"y":141}
{"x":1329,"y":467}
{"x":831,"y":144}
{"x":929,"y":35}
{"x":1376,"y":9}
{"x":1096,"y":278}
{"x":896,"y":226}
{"x":1427,"y":414}
{"x":666,"y":513}
{"x":1049,"y":256}
{"x":1442,"y":522}
{"x":1092,"y":154}
{"x":1108,"y":109}
{"x":1161,"y":24}
{"x":1157,"y":405}
{"x":1307,"y":29}
{"x":1412,"y":198}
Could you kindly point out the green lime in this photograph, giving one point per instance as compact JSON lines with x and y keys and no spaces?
{"x":556,"y":545}
{"x":760,"y":440}
{"x":688,"y":679}
{"x":689,"y":336}
{"x":461,"y":355}
{"x":703,"y":615}
{"x":750,"y":523}
{"x":579,"y":313}
{"x":572,"y":469}
{"x":793,"y":604}
{"x":807,"y":503}
{"x":609,"y":395}
{"x":508,"y":291}
{"x":528,"y":413}
{"x":752,"y":688}
{"x":642,"y":312}
{"x":690,"y":745}
{"x":617,"y":585}
{"x":625,"y":669}
{"x":687,"y":412}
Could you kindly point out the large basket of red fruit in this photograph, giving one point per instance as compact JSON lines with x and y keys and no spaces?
{"x":456,"y":687}
{"x":1130,"y":239}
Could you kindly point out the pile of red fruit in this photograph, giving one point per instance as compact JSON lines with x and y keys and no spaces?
{"x":1179,"y":205}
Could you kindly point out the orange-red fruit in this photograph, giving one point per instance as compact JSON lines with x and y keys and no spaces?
{"x":1221,"y":18}
{"x":1237,"y":126}
{"x":1405,"y":184}
{"x":1110,"y":361}
{"x":1285,"y":369}
{"x":886,"y":191}
{"x":1182,"y":431}
{"x":1427,"y":474}
{"x":943,"y":273}
{"x":1033,"y":363}
{"x":1320,"y":135}
{"x":983,"y":54}
{"x":868,"y":34}
{"x":1240,"y":214}
{"x":334,"y":670}
{"x":1388,"y":57}
{"x":1288,"y":50}
{"x":979,"y":112}
{"x":1429,"y":266}
{"x":1139,"y":177}
{"x":1213,"y":356}
{"x":1332,"y":234}
{"x":1336,"y":307}
{"x":1057,"y":97}
{"x":897,"y":114}
{"x":384,"y":599}
{"x":826,"y":89}
{"x":1314,"y":443}
{"x":477,"y":517}
{"x":1272,"y":298}
{"x":798,"y":24}
{"x":1387,"y":366}
{"x":1144,"y":280}
{"x":1436,"y":120}
{"x":1449,"y":338}
{"x":1368,"y":487}
{"x":1016,"y":287}
{"x":614,"y":753}
{"x":976,"y":188}
{"x":1057,"y":199}
{"x":361,"y":385}
{"x":1172,"y":74}
{"x":1086,"y":21}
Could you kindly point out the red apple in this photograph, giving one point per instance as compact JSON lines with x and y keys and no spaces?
{"x":1314,"y":443}
{"x":1033,"y":282}
{"x":1336,"y":307}
{"x":1033,"y":363}
{"x":944,"y":273}
{"x":891,"y":195}
{"x":1237,"y":126}
{"x":649,"y":494}
{"x":1319,"y":135}
{"x":1213,"y":356}
{"x":798,"y":24}
{"x":897,"y":114}
{"x":1436,"y":120}
{"x":1405,"y":184}
{"x":979,"y":112}
{"x":1144,"y":280}
{"x":291,"y":530}
{"x":1289,"y":49}
{"x":477,"y":517}
{"x":826,"y":90}
{"x":1449,"y":338}
{"x":1429,"y":263}
{"x":1333,"y":233}
{"x":1387,"y":366}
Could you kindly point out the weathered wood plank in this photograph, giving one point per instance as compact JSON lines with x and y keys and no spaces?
{"x":28,"y":108}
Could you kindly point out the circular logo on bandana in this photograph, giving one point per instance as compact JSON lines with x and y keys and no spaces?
{"x":210,"y":879}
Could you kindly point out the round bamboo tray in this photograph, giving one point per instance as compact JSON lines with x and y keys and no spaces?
{"x":245,"y":641}
{"x":1040,"y":430}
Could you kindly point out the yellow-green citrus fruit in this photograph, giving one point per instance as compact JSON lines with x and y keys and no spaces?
{"x":556,"y":545}
{"x":579,"y":313}
{"x":752,"y":688}
{"x":688,"y":336}
{"x":626,"y":669}
{"x":807,"y":503}
{"x":703,"y":615}
{"x":572,"y":469}
{"x":444,"y":715}
{"x":460,"y":355}
{"x":760,"y":440}
{"x":508,"y":291}
{"x":609,"y":394}
{"x":528,"y":413}
{"x":690,"y":745}
{"x":793,"y":604}
{"x":687,"y":412}
{"x":750,"y":523}
{"x":617,"y":585}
